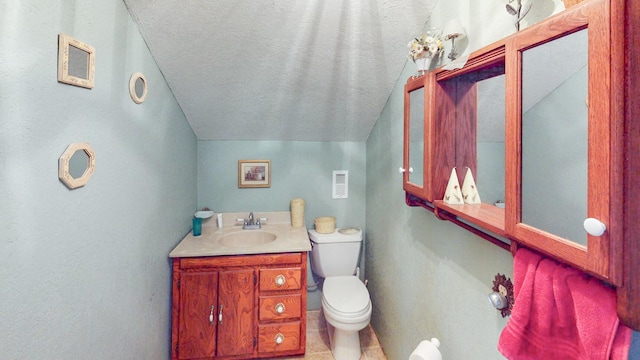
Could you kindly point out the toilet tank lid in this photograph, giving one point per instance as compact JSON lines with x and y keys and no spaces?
{"x":348,"y":234}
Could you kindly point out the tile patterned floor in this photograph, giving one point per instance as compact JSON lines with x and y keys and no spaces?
{"x":318,"y":347}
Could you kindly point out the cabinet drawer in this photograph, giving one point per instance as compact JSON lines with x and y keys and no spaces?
{"x":279,"y":337}
{"x":280,"y":279}
{"x":280,"y":307}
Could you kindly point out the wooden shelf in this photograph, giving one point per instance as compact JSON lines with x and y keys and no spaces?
{"x":486,"y":216}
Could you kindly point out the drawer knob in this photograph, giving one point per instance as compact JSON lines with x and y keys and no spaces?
{"x":279,"y":339}
{"x":280,"y":280}
{"x":280,"y":308}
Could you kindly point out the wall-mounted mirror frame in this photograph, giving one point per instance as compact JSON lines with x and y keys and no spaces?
{"x":76,"y":62}
{"x":594,"y":16}
{"x":69,"y":176}
{"x":138,"y":87}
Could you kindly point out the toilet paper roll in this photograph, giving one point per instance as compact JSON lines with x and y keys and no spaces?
{"x":427,"y":350}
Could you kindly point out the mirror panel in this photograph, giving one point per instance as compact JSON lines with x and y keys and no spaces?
{"x":490,"y":146}
{"x":416,"y":136}
{"x":78,"y":164}
{"x":78,"y":63}
{"x":475,"y":116}
{"x":555,"y":136}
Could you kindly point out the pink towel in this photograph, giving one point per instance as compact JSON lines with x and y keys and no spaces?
{"x":560,"y":313}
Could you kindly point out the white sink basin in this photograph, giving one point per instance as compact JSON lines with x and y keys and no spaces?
{"x":247,"y":238}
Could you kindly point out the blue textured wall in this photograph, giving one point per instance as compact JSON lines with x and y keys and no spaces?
{"x":85,"y":273}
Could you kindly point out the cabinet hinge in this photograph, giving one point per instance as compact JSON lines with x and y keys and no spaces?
{"x":255,"y":279}
{"x":178,"y":283}
{"x":255,"y":342}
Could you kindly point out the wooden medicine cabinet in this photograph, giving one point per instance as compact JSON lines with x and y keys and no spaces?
{"x":553,"y":150}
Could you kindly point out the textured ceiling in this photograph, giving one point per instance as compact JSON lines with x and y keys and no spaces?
{"x":312,"y":70}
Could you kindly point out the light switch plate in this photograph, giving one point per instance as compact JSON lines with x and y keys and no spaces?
{"x":340,"y":184}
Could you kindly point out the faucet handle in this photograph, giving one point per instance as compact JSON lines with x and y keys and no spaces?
{"x":264,"y":219}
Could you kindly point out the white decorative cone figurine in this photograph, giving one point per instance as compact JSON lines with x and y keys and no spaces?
{"x":453,"y":195}
{"x":469,"y":189}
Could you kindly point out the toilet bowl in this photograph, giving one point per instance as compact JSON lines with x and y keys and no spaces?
{"x":346,"y":304}
{"x":347,"y":310}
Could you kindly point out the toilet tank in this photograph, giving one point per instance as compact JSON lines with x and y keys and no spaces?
{"x":337,"y":253}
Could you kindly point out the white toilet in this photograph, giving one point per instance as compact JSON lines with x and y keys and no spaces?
{"x":345,"y":300}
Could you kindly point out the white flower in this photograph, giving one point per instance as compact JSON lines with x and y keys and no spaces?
{"x":426,"y":45}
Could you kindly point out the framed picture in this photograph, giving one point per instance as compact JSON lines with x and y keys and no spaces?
{"x":76,"y":62}
{"x":254,"y":173}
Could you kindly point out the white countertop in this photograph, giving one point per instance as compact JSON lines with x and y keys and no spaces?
{"x":288,"y":239}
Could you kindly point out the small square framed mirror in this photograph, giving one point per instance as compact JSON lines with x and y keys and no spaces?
{"x":76,"y":62}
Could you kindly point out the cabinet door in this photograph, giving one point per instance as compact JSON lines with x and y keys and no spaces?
{"x":236,"y":328}
{"x":197,"y":329}
{"x":413,"y":166}
{"x":561,"y":130}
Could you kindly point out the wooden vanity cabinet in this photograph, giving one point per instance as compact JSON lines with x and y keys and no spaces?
{"x":239,"y":307}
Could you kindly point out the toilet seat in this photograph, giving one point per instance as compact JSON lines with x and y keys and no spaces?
{"x":346,"y":298}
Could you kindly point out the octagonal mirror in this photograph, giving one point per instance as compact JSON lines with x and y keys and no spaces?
{"x":76,"y":165}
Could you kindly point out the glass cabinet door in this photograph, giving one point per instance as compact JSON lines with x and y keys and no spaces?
{"x":414,"y":135}
{"x":559,"y":135}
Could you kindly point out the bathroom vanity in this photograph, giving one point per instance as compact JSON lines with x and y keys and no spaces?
{"x":240,"y":294}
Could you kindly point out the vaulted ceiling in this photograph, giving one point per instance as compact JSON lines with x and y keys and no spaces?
{"x":311,"y":70}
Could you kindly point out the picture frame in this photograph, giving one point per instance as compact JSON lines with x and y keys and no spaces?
{"x":76,"y":62}
{"x":254,"y":173}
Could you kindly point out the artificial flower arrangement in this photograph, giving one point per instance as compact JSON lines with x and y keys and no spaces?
{"x":428,"y":45}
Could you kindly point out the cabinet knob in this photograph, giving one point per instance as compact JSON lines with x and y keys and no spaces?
{"x":594,"y":227}
{"x":410,"y":170}
{"x":280,"y":280}
{"x":279,"y":339}
{"x":211,"y":314}
{"x":403,"y":170}
{"x":279,"y":308}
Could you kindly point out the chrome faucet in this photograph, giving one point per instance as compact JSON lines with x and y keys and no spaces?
{"x":251,"y":222}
